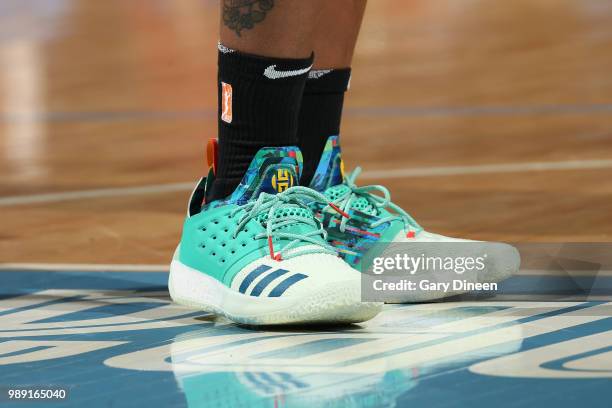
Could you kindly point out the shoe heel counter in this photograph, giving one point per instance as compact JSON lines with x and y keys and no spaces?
{"x":187,"y":254}
{"x":177,"y":253}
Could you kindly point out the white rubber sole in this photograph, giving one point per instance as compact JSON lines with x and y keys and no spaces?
{"x":337,"y":303}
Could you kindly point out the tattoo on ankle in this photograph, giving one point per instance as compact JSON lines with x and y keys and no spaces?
{"x":241,"y":15}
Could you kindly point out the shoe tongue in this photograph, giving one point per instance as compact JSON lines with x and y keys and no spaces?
{"x":330,"y":170}
{"x":272,"y":170}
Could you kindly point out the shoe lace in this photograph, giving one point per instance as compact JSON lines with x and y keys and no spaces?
{"x":268,"y":208}
{"x":345,"y":201}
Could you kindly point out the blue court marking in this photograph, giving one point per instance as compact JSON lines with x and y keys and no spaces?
{"x":284,"y":285}
{"x":17,"y":282}
{"x":559,"y":364}
{"x":313,"y":347}
{"x":182,"y":357}
{"x":438,"y":386}
{"x":445,"y":316}
{"x":471,"y":333}
{"x":91,"y":326}
{"x":103,"y":311}
{"x":24,"y":351}
{"x":364,"y":111}
{"x":252,"y":276}
{"x":266,"y":281}
{"x":96,"y":385}
{"x":38,"y":305}
{"x":553,"y":337}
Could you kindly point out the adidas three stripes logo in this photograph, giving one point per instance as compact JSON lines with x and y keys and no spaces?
{"x":268,"y":277}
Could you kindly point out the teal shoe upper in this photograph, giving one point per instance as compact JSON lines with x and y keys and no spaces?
{"x":265,"y":216}
{"x":370,"y":220}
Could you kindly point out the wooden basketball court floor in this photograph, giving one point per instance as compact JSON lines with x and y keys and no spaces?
{"x":486,"y":119}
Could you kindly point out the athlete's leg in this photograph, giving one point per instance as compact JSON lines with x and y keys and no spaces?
{"x":334,"y":38}
{"x":274,"y":28}
{"x":335,"y":33}
{"x":257,"y":257}
{"x":265,"y":55}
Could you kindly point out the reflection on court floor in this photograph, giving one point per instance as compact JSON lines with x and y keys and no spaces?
{"x":113,"y":337}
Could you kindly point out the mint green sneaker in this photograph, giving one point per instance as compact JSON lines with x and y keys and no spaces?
{"x":259,"y":257}
{"x":372,"y":224}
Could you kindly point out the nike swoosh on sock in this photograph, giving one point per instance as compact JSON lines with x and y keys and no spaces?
{"x":272,"y":73}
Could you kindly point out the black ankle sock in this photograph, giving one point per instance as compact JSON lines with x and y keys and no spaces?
{"x":259,"y":102}
{"x":320,"y":115}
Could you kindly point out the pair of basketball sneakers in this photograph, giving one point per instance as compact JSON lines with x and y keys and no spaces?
{"x":274,"y":252}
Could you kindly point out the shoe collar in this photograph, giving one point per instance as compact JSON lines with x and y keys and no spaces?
{"x":330,"y":170}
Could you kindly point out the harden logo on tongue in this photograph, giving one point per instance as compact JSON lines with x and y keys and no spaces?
{"x":273,"y":170}
{"x":282,"y":180}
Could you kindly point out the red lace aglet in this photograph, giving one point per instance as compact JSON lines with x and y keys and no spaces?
{"x":339,"y":211}
{"x":410,"y":234}
{"x":276,"y":257}
{"x":271,"y":247}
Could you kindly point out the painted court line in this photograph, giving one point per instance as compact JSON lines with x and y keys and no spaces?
{"x":488,"y":168}
{"x":366,"y":175}
{"x":70,"y":267}
{"x":356,"y":111}
{"x":97,"y":193}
